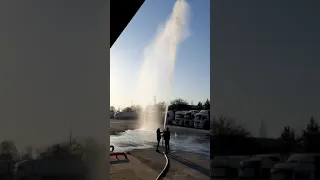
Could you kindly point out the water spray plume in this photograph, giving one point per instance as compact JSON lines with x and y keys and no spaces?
{"x":156,"y":74}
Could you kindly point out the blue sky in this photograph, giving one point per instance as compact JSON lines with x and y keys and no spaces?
{"x":192,"y":70}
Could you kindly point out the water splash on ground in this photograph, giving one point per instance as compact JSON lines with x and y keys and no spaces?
{"x":144,"y":139}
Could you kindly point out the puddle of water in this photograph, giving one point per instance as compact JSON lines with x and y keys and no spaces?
{"x":142,"y":139}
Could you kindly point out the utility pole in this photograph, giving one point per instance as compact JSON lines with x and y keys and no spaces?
{"x":154,"y":100}
{"x":70,"y":136}
{"x":262,"y":130}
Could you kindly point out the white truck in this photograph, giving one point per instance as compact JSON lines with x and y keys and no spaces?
{"x":45,"y":169}
{"x":126,"y":115}
{"x":189,"y":118}
{"x":226,"y":167}
{"x":179,"y":118}
{"x":202,"y":119}
{"x":258,"y":167}
{"x":117,"y":115}
{"x":298,"y":166}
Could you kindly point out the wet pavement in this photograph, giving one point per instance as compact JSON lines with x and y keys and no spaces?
{"x":187,"y":140}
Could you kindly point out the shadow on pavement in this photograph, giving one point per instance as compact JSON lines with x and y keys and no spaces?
{"x":190,"y":164}
{"x":120,"y":161}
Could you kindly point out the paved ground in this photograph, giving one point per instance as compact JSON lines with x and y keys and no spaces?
{"x":184,"y":166}
{"x":146,"y":164}
{"x":188,"y":166}
{"x":133,"y":169}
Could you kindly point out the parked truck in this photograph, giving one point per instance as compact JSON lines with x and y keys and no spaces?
{"x":126,"y":115}
{"x":202,"y":120}
{"x":298,"y":166}
{"x":258,"y":167}
{"x":226,"y":167}
{"x":179,"y":118}
{"x":189,"y":118}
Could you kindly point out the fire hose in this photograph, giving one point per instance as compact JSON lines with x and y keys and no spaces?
{"x":165,"y":169}
{"x":112,"y":148}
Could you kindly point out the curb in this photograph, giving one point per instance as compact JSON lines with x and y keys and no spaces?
{"x":165,"y":169}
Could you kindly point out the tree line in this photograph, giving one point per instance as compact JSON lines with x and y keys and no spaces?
{"x":228,"y":137}
{"x":87,"y":150}
{"x":175,"y":105}
{"x":305,"y":141}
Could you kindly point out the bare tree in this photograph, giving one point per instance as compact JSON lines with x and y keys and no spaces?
{"x":179,"y":101}
{"x":179,"y":104}
{"x":206,"y":105}
{"x":63,"y":151}
{"x":112,"y":109}
{"x":200,"y":106}
{"x":310,"y":136}
{"x":313,"y":126}
{"x":288,"y":136}
{"x":8,"y":150}
{"x":128,"y":109}
{"x":227,"y":126}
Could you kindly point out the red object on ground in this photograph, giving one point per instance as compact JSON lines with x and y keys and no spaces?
{"x":119,"y":154}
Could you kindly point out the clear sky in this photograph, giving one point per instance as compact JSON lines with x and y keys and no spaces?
{"x":266,"y":62}
{"x":192,"y":69}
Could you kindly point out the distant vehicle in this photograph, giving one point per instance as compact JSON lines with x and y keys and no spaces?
{"x":298,"y":166}
{"x":257,"y":167}
{"x":202,"y":120}
{"x":170,"y":117}
{"x":205,"y":111}
{"x":117,"y":115}
{"x":226,"y":167}
{"x":189,"y":118}
{"x":273,"y":157}
{"x":179,"y":118}
{"x":126,"y":115}
{"x":43,"y":169}
{"x":112,"y":115}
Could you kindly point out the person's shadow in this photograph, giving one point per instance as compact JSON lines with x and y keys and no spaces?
{"x":202,"y":170}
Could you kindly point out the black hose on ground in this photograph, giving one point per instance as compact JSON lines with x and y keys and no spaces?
{"x":112,"y":148}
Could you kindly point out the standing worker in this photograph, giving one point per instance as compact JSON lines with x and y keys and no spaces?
{"x":158,"y":138}
{"x":166,"y":136}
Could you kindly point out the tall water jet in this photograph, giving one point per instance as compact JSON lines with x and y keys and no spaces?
{"x":156,"y":74}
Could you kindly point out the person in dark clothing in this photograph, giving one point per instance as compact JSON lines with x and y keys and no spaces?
{"x":166,"y":137}
{"x":158,"y":138}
